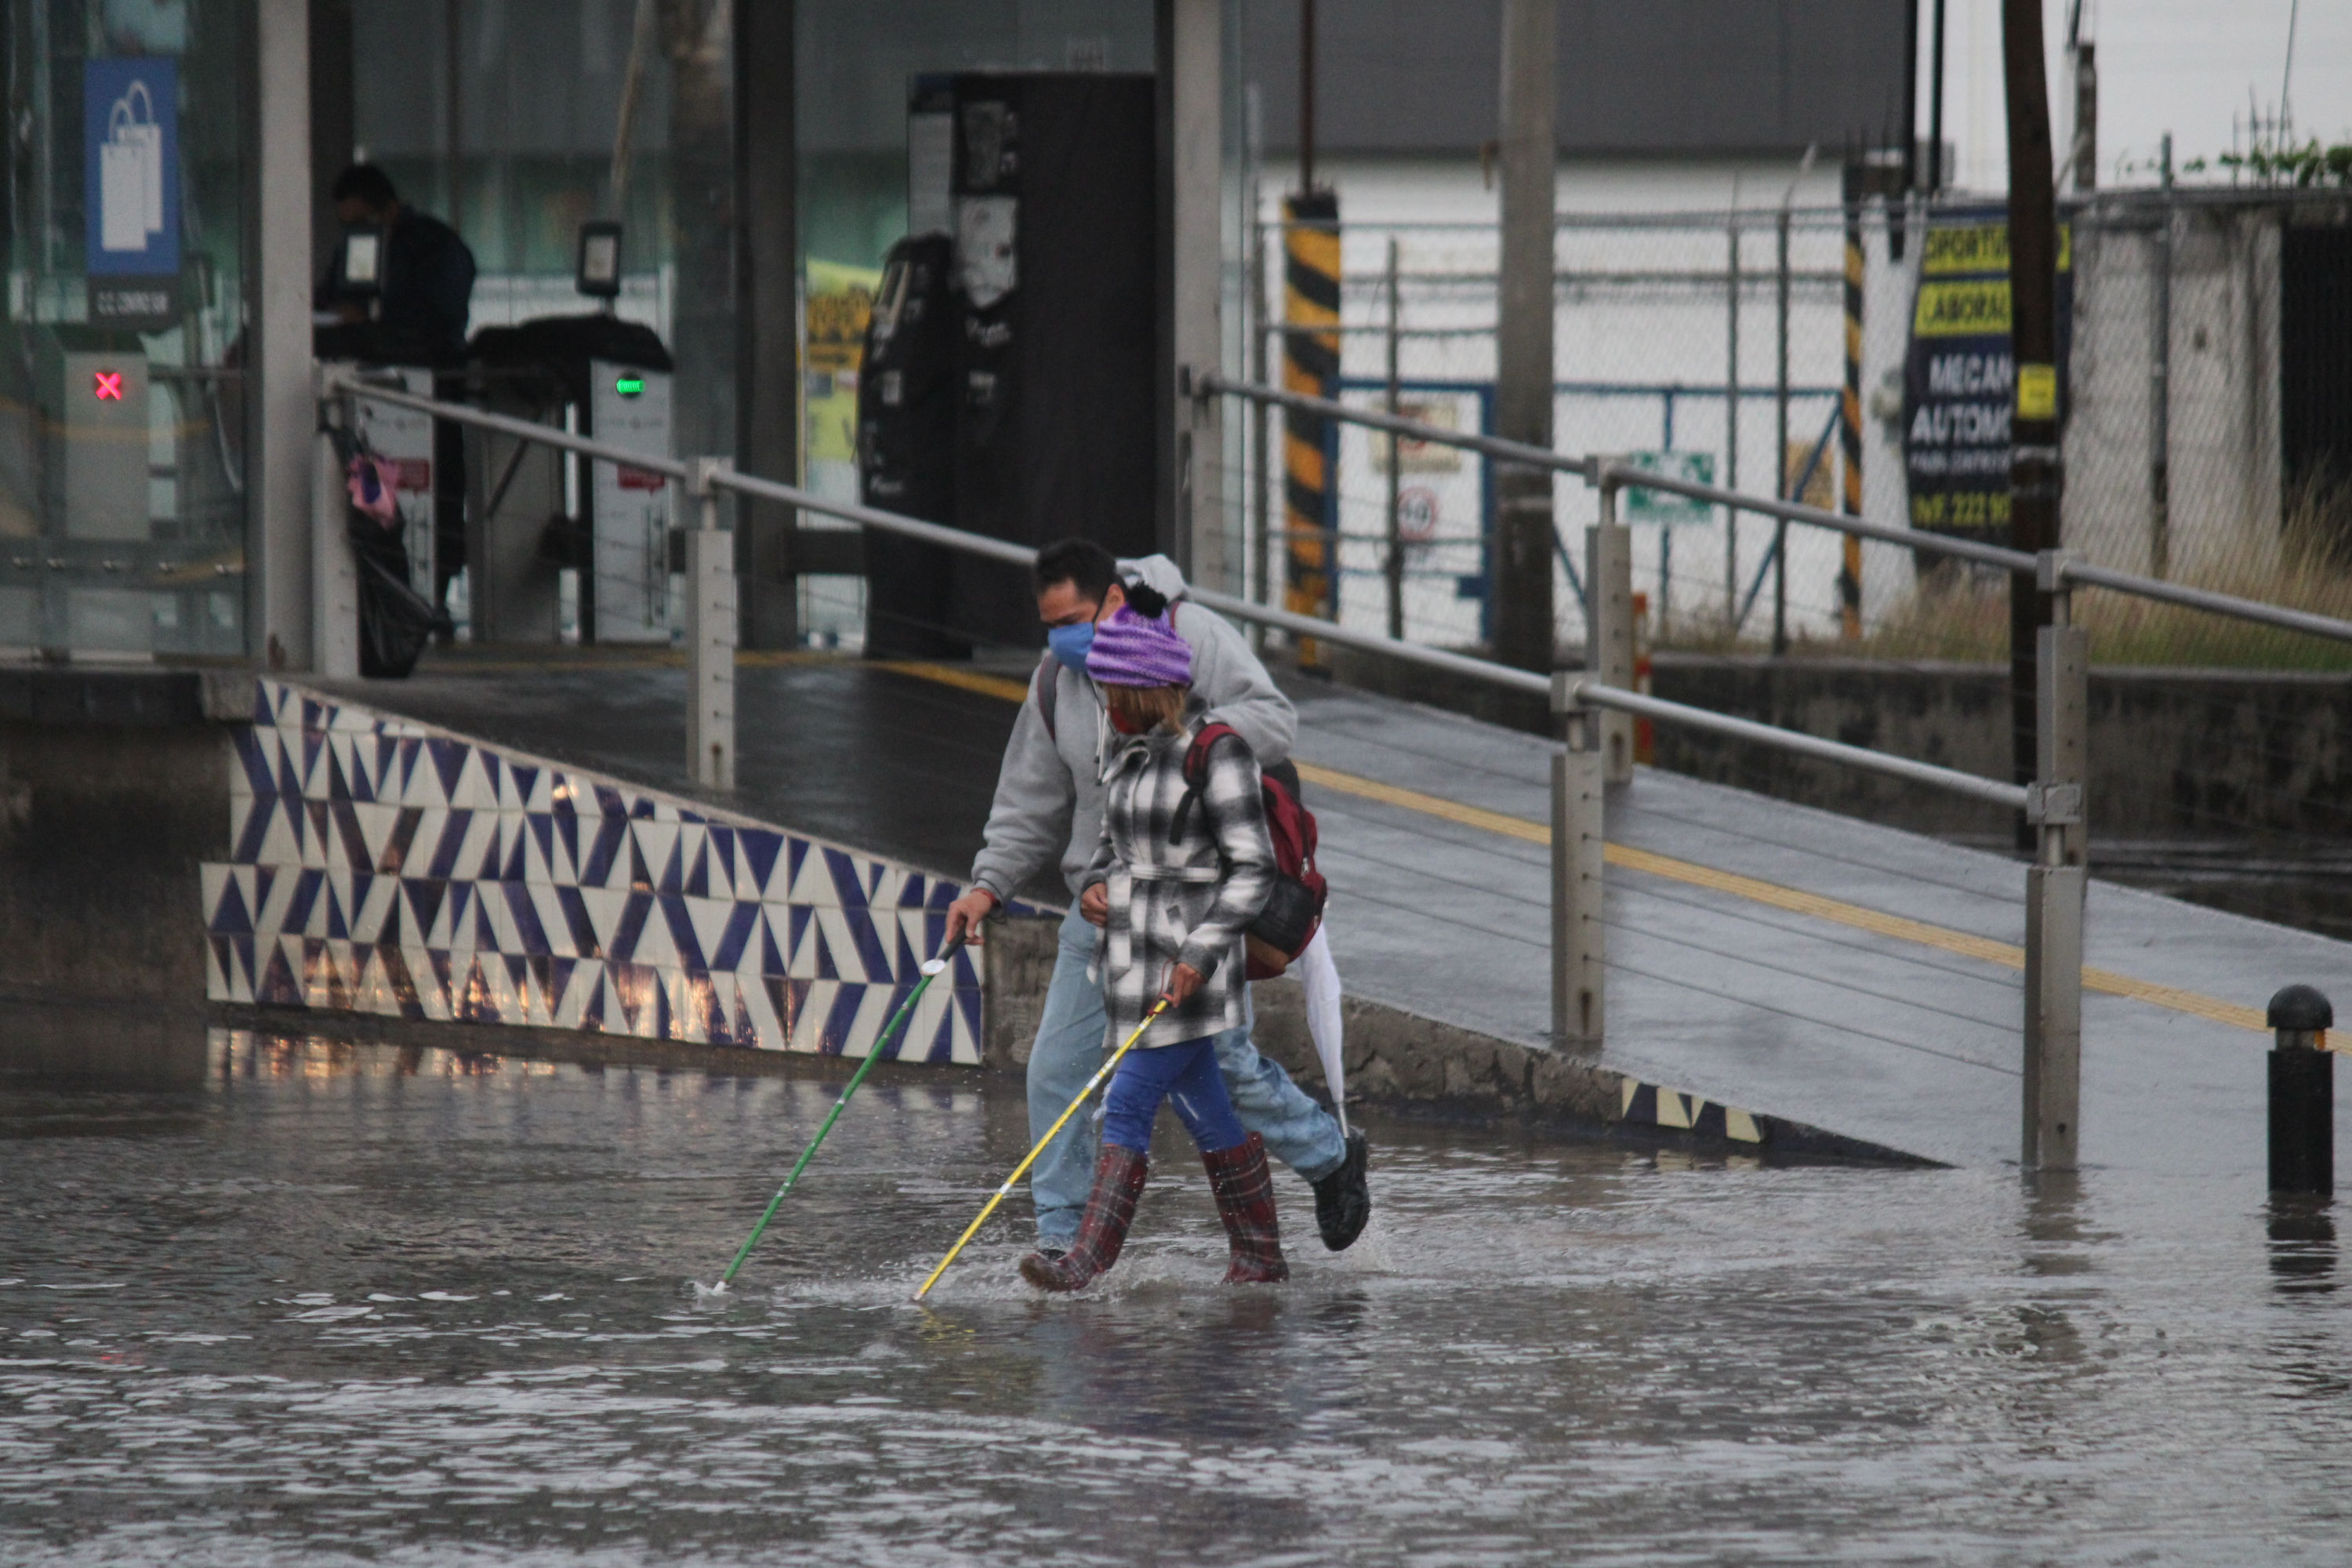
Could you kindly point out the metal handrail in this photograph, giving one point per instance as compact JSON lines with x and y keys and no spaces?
{"x":1396,"y":425}
{"x":1598,"y":472}
{"x":1526,"y":682}
{"x":505,"y":424}
{"x":2072,"y":571}
{"x":1992,"y":791}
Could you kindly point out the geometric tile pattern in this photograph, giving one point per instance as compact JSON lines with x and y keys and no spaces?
{"x":383,"y":865}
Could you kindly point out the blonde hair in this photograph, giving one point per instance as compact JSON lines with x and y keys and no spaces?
{"x":1148,"y":707}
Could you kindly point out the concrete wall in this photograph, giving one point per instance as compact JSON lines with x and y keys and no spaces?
{"x":2174,"y":752}
{"x":112,"y":791}
{"x":2225,"y":418}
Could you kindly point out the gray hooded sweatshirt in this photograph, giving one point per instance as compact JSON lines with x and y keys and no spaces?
{"x":1049,"y":792}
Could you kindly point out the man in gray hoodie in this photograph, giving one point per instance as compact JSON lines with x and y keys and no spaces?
{"x":1049,"y":803}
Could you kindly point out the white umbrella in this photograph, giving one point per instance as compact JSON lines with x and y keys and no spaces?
{"x":1320,"y":975}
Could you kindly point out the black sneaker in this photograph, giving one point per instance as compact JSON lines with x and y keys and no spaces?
{"x":1343,"y":1200}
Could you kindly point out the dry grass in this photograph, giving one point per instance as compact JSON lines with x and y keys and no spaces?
{"x":1967,"y":620}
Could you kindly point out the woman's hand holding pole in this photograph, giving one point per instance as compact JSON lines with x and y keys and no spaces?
{"x":1051,"y":1132}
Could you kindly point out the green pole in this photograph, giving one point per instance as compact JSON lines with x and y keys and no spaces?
{"x":932,"y":972}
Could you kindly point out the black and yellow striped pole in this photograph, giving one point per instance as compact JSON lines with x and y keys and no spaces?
{"x":1850,"y":419}
{"x":1310,"y":364}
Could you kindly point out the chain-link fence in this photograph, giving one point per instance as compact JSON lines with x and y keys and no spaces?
{"x":2218,"y":747}
{"x":1672,"y":332}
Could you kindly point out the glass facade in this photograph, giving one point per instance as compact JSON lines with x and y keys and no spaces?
{"x":856,"y":61}
{"x":122,"y":521}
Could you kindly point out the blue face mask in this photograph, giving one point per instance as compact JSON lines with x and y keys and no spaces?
{"x":1071,"y":644}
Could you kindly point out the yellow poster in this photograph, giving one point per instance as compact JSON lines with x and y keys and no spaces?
{"x":840,"y":301}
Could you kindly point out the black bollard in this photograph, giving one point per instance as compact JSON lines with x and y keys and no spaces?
{"x":2303,"y":1093}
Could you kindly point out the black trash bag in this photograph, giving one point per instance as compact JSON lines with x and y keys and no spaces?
{"x":395,"y":620}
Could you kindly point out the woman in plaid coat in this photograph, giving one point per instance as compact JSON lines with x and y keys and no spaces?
{"x":1183,"y":872}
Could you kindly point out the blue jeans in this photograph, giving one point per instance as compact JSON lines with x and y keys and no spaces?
{"x":1071,"y":1046}
{"x":1184,"y":1073}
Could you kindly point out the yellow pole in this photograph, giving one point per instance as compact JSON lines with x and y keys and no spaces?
{"x":1021,"y":1169}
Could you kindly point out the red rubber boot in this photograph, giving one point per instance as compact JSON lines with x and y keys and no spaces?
{"x":1110,"y":1208}
{"x":1245,"y":1190}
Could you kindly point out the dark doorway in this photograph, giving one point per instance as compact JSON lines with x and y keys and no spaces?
{"x":2316,"y":380}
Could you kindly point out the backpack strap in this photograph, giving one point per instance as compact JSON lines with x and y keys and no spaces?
{"x":1049,"y":682}
{"x":1196,"y":775}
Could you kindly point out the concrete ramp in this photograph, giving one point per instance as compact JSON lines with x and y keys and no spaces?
{"x":1776,"y":972}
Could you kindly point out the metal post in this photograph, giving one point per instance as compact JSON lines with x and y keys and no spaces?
{"x":1394,"y":567}
{"x":2159,"y":389}
{"x":2054,"y":885}
{"x":1609,"y":625}
{"x":711,"y":630}
{"x":2301,"y":1092}
{"x":1780,"y":441}
{"x":1731,"y":439}
{"x":1578,"y":940}
{"x":335,"y":579}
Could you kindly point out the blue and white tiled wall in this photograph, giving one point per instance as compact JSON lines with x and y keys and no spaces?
{"x":381,"y":866}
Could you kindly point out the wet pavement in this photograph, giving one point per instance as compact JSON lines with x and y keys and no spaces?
{"x":371,"y":1303}
{"x":1769,"y":957}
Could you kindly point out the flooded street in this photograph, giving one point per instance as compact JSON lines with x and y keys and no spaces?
{"x":368,"y":1304}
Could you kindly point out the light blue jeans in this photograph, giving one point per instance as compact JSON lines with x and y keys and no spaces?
{"x":1071,"y":1045}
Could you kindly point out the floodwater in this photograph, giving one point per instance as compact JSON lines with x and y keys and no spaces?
{"x":368,"y":1304}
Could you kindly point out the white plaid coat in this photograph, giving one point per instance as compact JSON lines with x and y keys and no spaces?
{"x":1185,"y":903}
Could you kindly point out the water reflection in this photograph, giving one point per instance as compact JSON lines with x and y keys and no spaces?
{"x":369,"y":1303}
{"x":2302,"y":1244}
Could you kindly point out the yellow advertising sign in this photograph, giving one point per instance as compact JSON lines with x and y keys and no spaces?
{"x":1972,"y":309}
{"x":1982,"y":248}
{"x":2037,"y":392}
{"x":840,"y":304}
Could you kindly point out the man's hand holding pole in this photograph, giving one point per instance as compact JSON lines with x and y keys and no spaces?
{"x":965,"y":915}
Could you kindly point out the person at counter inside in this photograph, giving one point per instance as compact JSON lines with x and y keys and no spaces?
{"x":412,"y":310}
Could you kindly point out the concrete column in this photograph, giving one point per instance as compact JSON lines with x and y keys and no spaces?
{"x":767,"y":363}
{"x":334,"y":569}
{"x":1523,"y":335}
{"x":280,"y":411}
{"x":1192,"y":62}
{"x":1609,"y":628}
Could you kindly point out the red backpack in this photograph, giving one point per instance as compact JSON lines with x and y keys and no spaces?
{"x":1294,"y":910}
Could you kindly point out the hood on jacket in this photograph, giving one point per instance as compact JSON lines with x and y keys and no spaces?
{"x":1161,"y":575}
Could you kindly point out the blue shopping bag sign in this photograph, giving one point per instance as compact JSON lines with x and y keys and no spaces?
{"x":131,"y":182}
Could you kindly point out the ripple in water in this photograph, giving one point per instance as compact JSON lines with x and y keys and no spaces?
{"x":365,"y":1304}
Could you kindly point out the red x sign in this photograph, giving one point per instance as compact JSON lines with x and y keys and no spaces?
{"x":108,"y":386}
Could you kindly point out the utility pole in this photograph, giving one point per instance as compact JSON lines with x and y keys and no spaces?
{"x":1524,"y":634}
{"x":1935,"y":105}
{"x":1306,"y":95}
{"x":2081,"y":57}
{"x":1310,"y":363}
{"x":1910,"y":102}
{"x":2034,"y":471}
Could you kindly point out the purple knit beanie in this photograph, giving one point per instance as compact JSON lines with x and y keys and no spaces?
{"x":1139,"y":650}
